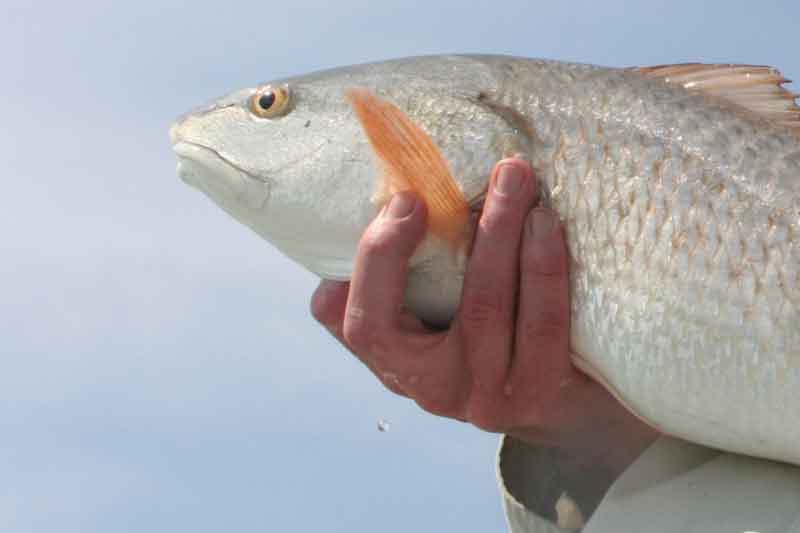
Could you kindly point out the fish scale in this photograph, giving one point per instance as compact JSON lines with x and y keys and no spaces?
{"x":678,"y":188}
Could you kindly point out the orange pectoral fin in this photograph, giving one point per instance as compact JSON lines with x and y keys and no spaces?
{"x":411,"y":161}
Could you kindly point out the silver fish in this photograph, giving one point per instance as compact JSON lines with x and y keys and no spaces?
{"x":679,"y":187}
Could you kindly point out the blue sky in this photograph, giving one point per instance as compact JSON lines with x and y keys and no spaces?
{"x":159,"y":370}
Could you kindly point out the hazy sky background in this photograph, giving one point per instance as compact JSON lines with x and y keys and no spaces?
{"x":159,"y":370}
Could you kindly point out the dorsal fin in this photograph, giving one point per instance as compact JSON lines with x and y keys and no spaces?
{"x":758,"y":89}
{"x":411,"y":161}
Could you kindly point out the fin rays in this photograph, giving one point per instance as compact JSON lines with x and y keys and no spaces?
{"x":411,"y":161}
{"x":757,"y":89}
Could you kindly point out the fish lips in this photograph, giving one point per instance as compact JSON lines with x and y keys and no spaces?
{"x":205,"y":169}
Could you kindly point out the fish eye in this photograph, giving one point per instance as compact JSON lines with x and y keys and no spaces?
{"x":270,"y":102}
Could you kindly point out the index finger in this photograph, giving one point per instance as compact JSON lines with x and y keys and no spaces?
{"x":378,"y":283}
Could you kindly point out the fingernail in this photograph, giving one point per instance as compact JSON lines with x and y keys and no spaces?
{"x":542,"y":223}
{"x":508,"y":180}
{"x":401,"y":205}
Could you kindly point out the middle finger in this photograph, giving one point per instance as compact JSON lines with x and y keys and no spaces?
{"x":485,"y":320}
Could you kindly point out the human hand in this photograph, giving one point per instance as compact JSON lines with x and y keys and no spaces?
{"x":504,"y":364}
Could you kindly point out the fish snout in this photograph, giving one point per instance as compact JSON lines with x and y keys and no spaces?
{"x":177,"y":130}
{"x":174,"y":133}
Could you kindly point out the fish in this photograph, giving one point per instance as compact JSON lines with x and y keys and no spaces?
{"x":678,"y":186}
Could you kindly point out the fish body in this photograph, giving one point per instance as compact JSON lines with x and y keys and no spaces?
{"x":681,"y":201}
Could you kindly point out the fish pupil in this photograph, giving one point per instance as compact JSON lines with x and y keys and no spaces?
{"x":266,"y":100}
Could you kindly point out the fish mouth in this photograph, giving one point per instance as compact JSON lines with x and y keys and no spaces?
{"x":208,"y":170}
{"x":209,"y":156}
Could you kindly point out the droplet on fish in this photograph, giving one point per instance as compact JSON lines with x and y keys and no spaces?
{"x":383,"y":425}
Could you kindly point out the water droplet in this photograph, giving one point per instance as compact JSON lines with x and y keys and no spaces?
{"x":383,"y":425}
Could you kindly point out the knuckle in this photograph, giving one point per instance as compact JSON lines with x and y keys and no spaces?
{"x":498,"y":218}
{"x":433,"y":406}
{"x":320,"y":312}
{"x":327,"y":302}
{"x":377,"y":242}
{"x":358,"y":332}
{"x":391,"y":381}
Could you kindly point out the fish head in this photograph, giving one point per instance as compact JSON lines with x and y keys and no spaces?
{"x":282,"y":174}
{"x":289,"y":158}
